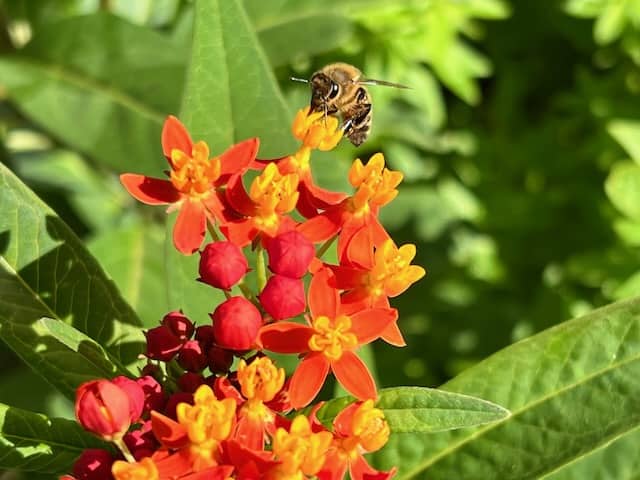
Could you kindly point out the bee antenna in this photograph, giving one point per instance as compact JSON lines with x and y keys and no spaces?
{"x":296,"y":79}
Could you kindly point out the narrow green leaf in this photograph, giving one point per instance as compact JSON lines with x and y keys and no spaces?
{"x":231,"y":93}
{"x":623,"y":189}
{"x":62,"y":80}
{"x":49,"y":273}
{"x":32,"y":442}
{"x":571,"y":390}
{"x":423,"y":410}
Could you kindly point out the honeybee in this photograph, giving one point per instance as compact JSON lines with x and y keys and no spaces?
{"x":340,"y":89}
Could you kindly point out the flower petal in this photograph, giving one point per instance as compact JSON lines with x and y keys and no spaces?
{"x":393,"y":335}
{"x":168,"y":432}
{"x":321,"y":227}
{"x":190,"y":227}
{"x":359,"y":469}
{"x":370,"y":324}
{"x":237,"y":158}
{"x":175,"y":136}
{"x":285,"y":337}
{"x":240,"y":233}
{"x":152,"y":191}
{"x":308,"y":379}
{"x":359,"y":249}
{"x":354,"y":376}
{"x":238,"y":198}
{"x":323,"y":298}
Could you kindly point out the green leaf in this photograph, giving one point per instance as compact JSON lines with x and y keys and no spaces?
{"x":231,"y":93}
{"x":627,"y":134}
{"x":623,"y":189}
{"x":109,"y":109}
{"x":424,"y":410}
{"x":34,"y":443}
{"x":47,"y":272}
{"x":610,"y":23}
{"x":618,"y":460}
{"x":571,"y":390}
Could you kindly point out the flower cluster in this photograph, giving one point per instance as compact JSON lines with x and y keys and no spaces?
{"x":211,"y":402}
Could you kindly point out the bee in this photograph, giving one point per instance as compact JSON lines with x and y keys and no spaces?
{"x":339,"y":89}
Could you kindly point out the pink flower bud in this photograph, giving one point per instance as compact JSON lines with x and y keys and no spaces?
{"x":179,"y":325}
{"x":222,"y":265}
{"x":220,"y":359}
{"x":283,"y":297}
{"x":290,"y":254}
{"x":236,"y":323}
{"x":191,"y":357}
{"x":103,"y":408}
{"x":141,"y":443}
{"x":190,"y":381}
{"x":93,"y":464}
{"x":154,"y":398}
{"x":136,"y":396}
{"x":162,"y":344}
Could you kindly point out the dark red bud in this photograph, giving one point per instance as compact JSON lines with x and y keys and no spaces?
{"x":154,"y":398}
{"x":220,"y":359}
{"x":191,"y":357}
{"x":174,"y":400}
{"x":93,"y":464}
{"x":179,"y":325}
{"x":190,"y":381}
{"x":162,"y":344}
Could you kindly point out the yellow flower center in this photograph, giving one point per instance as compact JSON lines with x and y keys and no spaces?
{"x":332,"y":337}
{"x":207,"y":422}
{"x":316,"y":131}
{"x":375,"y":184}
{"x":194,"y":175}
{"x":145,"y":469}
{"x":274,"y":194}
{"x":392,"y":272}
{"x":300,"y":451}
{"x":261,"y":379}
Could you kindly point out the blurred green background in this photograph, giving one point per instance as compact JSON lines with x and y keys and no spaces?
{"x":519,"y":141}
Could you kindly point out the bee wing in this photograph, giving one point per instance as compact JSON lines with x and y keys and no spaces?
{"x":372,"y":81}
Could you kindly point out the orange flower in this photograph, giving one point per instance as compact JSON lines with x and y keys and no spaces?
{"x":272,"y":195}
{"x":360,"y":428}
{"x":195,"y":182}
{"x":356,"y":216}
{"x":328,"y":342}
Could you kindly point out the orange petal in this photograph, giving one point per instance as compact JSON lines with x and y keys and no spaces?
{"x":240,"y":233}
{"x":354,"y":376}
{"x":220,"y":472}
{"x":359,"y":469}
{"x":152,"y":191}
{"x":347,"y":278}
{"x":320,"y":228}
{"x":308,"y":379}
{"x":175,"y":135}
{"x":370,"y":324}
{"x":393,"y":335}
{"x":285,"y":337}
{"x":190,"y":227}
{"x":359,"y":249}
{"x":250,"y":432}
{"x":169,"y":432}
{"x":238,"y":198}
{"x":323,"y":298}
{"x":237,"y":158}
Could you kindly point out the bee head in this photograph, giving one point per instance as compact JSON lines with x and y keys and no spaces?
{"x":323,"y":89}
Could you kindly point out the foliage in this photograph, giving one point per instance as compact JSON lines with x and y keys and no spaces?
{"x":520,"y":145}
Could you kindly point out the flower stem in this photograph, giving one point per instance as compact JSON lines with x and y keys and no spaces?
{"x":212,"y":231}
{"x":325,"y":246}
{"x":119,"y":442}
{"x":246,"y":291}
{"x":261,"y":271}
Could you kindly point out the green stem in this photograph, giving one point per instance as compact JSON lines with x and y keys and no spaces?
{"x":261,"y":270}
{"x":212,"y":231}
{"x":325,"y":246}
{"x":246,"y":291}
{"x":124,"y":449}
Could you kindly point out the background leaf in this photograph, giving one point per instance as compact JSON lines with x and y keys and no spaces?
{"x":34,"y":443}
{"x":623,"y":188}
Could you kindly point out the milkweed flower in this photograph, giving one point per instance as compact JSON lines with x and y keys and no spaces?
{"x":195,"y":182}
{"x":328,"y":342}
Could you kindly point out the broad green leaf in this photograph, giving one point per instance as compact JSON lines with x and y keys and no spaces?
{"x":46,"y":265}
{"x":571,"y":390}
{"x":627,"y":134}
{"x":101,"y":85}
{"x":62,"y":355}
{"x":132,"y":256}
{"x":618,"y":460}
{"x":424,"y":410}
{"x":623,"y":189}
{"x":231,"y":93}
{"x":628,"y":231}
{"x":610,"y":23}
{"x":34,"y":443}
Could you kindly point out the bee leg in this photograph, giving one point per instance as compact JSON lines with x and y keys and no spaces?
{"x":347,"y":126}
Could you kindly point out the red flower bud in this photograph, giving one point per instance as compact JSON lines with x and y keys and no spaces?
{"x":93,"y":464}
{"x":290,"y":254}
{"x":236,"y":323}
{"x":191,"y":357}
{"x":179,"y":325}
{"x":283,"y":297}
{"x":153,"y":395}
{"x":136,"y":396}
{"x":220,"y":359}
{"x":204,"y":335}
{"x":141,"y":443}
{"x":222,"y":265}
{"x":190,"y":381}
{"x":103,"y":408}
{"x":162,"y":344}
{"x":174,"y":400}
